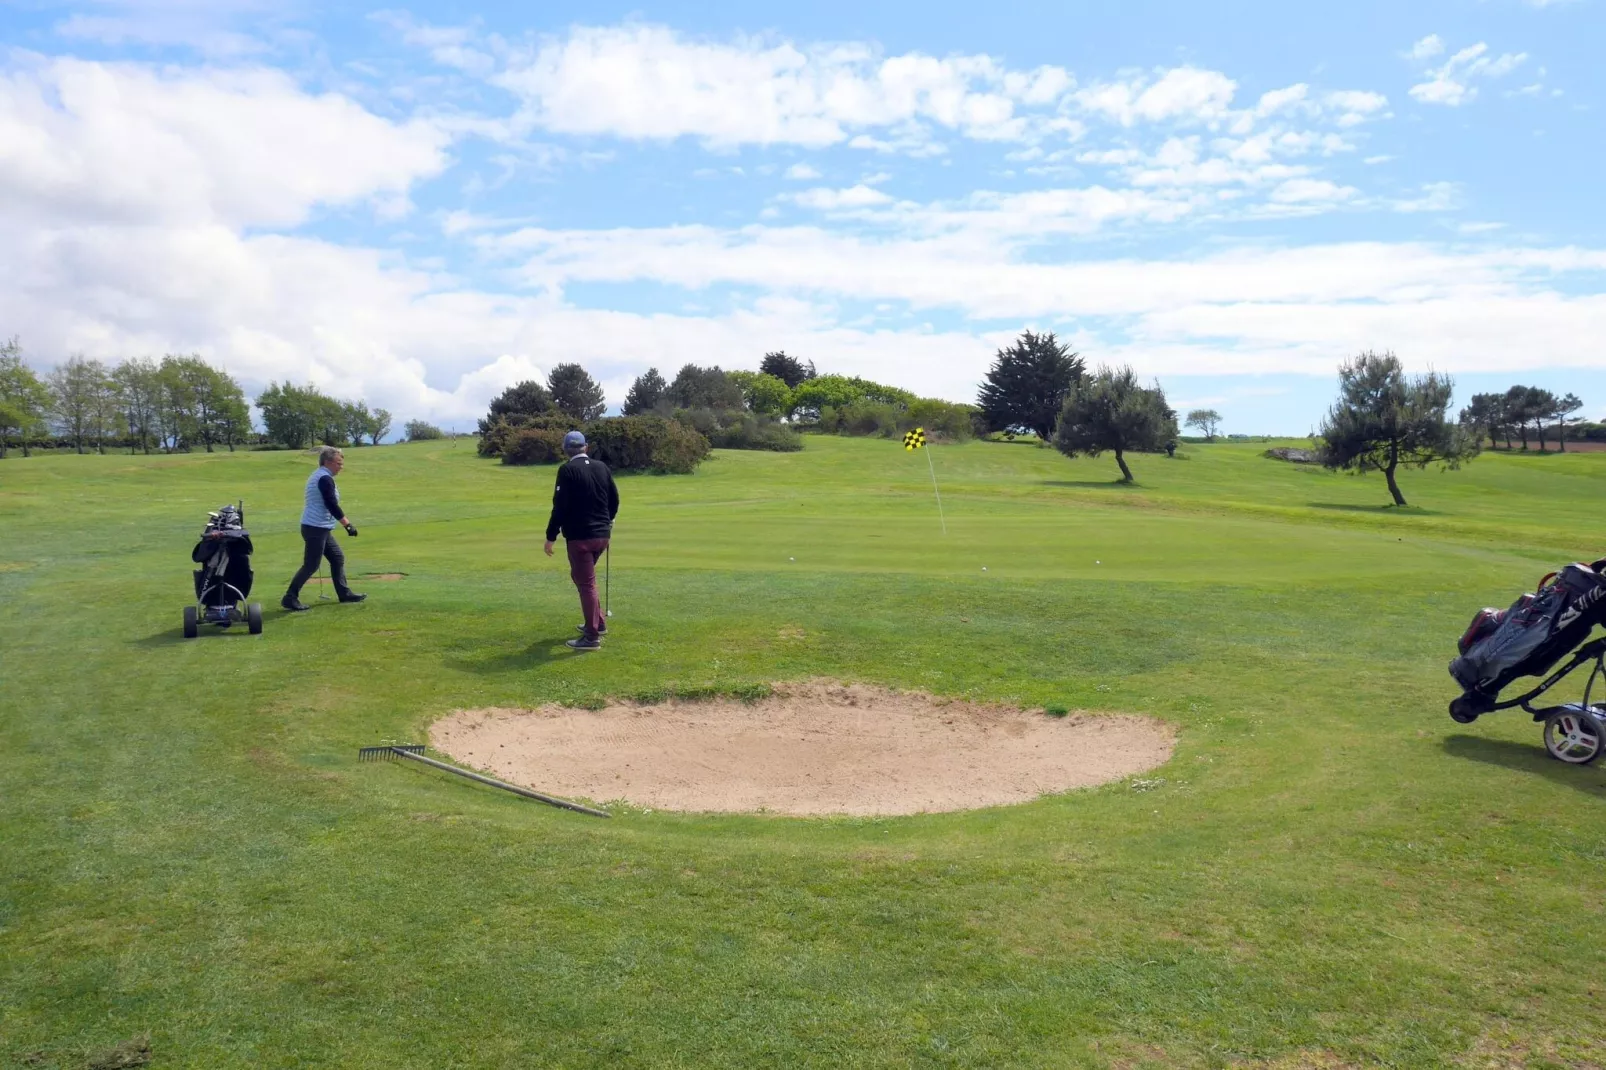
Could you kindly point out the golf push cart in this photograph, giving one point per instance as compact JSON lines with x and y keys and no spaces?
{"x":223,"y":581}
{"x":1527,"y":640}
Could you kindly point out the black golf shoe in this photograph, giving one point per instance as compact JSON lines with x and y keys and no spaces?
{"x":352,"y":596}
{"x":581,"y":628}
{"x":293,"y":604}
{"x":583,"y":643}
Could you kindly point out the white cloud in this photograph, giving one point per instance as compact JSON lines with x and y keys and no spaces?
{"x":1185,"y":94}
{"x":652,"y":83}
{"x":1434,"y":197}
{"x":84,"y":141}
{"x":1311,"y":190}
{"x":1451,"y":84}
{"x":1430,"y":46}
{"x":801,"y":172}
{"x":860,"y":196}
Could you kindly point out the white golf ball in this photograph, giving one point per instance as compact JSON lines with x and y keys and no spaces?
{"x":984,"y":568}
{"x":791,"y":559}
{"x":1098,"y":562}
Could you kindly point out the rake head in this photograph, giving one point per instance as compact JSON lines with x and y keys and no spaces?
{"x":388,"y":750}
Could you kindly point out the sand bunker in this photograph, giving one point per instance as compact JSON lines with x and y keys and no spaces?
{"x":809,"y":749}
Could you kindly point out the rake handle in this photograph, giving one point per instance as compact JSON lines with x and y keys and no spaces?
{"x":550,"y":800}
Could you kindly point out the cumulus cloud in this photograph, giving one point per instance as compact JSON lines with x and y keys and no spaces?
{"x":1186,"y":94}
{"x":95,"y":141}
{"x":650,"y":82}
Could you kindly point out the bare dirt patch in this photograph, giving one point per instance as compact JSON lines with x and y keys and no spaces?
{"x":809,"y":749}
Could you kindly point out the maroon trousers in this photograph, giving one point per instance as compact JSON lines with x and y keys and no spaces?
{"x":583,"y":557}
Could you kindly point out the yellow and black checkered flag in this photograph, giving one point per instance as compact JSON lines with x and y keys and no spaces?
{"x":915,"y":439}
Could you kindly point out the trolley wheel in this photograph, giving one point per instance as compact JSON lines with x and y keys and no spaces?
{"x":192,"y":623}
{"x":1573,"y":737}
{"x":253,"y":618}
{"x":1462,"y":711}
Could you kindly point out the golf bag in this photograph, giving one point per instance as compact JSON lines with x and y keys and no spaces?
{"x":224,"y":579}
{"x":1532,"y":635}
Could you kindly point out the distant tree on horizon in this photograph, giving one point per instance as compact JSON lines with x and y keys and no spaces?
{"x":788,"y":370}
{"x":645,"y":393}
{"x":1206,"y":420}
{"x":575,"y":393}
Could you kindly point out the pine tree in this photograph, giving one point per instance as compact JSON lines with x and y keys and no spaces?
{"x":1027,"y":385}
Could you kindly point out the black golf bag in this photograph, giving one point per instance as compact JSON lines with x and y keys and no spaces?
{"x":224,"y":579}
{"x":1532,"y":635}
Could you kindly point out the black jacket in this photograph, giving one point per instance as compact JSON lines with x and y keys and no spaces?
{"x":584,"y":501}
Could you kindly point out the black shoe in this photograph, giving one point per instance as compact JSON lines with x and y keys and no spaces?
{"x":583,"y":643}
{"x":293,"y":604}
{"x":352,"y":596}
{"x":581,"y":628}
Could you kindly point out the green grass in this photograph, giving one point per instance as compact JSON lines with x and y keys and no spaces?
{"x":1329,"y":872}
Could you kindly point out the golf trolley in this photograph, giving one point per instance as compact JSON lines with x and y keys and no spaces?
{"x":1526,"y":640}
{"x":223,"y":581}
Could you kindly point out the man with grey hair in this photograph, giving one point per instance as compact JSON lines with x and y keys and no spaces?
{"x":318,"y":519}
{"x":584,"y":503}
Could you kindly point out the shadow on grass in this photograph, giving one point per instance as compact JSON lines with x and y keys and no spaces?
{"x":1380,"y":510}
{"x":175,"y":636}
{"x":1113,"y":484}
{"x":533,"y":656}
{"x":1527,"y":758}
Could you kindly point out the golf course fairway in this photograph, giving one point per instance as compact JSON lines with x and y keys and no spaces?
{"x":1328,"y":872}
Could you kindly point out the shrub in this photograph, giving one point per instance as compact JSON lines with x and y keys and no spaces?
{"x":534,"y":445}
{"x":419,"y":431}
{"x":498,"y":435}
{"x":750,"y":433}
{"x":646,"y":444}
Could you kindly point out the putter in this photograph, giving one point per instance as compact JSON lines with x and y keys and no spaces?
{"x":607,"y":580}
{"x":322,"y":595}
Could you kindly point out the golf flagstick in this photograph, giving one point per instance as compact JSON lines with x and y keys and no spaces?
{"x":916,"y":440}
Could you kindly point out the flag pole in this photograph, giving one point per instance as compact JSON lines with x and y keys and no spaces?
{"x":934,"y":489}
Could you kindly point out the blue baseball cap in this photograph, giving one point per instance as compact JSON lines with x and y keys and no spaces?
{"x":573,"y":440}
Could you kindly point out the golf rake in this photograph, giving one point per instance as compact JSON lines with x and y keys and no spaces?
{"x":415,"y":752}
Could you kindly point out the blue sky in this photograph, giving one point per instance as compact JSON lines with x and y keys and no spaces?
{"x":420,"y":205}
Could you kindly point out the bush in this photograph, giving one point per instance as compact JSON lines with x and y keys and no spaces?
{"x":646,"y":444}
{"x":497,"y":436}
{"x":750,"y":433}
{"x":419,"y":431}
{"x":533,"y":445}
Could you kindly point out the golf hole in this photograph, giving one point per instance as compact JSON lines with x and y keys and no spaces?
{"x":808,"y":749}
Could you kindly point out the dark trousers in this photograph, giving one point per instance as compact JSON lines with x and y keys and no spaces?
{"x":583,"y":557}
{"x":320,"y":543}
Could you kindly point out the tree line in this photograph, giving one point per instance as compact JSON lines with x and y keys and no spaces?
{"x":178,"y":403}
{"x":175,"y":404}
{"x":1519,"y":412}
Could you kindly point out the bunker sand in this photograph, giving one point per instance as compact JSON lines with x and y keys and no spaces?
{"x":809,"y":749}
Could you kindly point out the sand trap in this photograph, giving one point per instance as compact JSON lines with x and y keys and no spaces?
{"x":810,"y":749}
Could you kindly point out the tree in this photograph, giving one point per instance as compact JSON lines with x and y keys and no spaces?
{"x":1027,"y":385}
{"x":233,"y":420}
{"x":528,"y":398}
{"x":575,"y":393}
{"x":788,"y":370}
{"x":839,"y":391}
{"x":208,"y":394}
{"x":379,"y":425}
{"x":704,"y":388}
{"x":1206,"y":420}
{"x":1383,"y":420}
{"x":419,"y":431}
{"x":24,"y":399}
{"x":357,"y":418}
{"x":1485,"y":415}
{"x":78,"y":389}
{"x":645,"y":393}
{"x":138,"y":386}
{"x":1565,"y":406}
{"x":1111,"y":411}
{"x":763,"y":393}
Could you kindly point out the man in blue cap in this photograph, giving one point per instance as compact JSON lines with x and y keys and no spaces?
{"x":584,"y":503}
